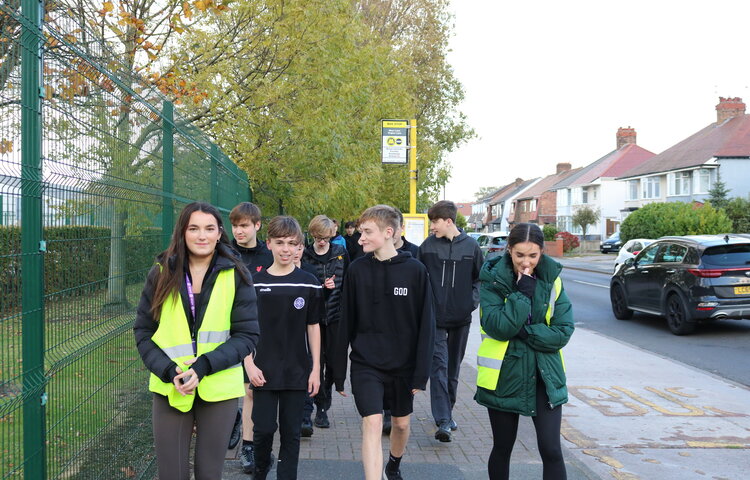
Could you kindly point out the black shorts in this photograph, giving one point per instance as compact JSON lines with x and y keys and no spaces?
{"x":371,"y":387}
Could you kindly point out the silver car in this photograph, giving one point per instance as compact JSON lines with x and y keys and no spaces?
{"x":493,"y":244}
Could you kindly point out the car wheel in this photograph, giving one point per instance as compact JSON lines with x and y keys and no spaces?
{"x":678,"y":320}
{"x":619,"y":303}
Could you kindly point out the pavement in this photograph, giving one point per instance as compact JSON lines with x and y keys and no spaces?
{"x":632,"y":415}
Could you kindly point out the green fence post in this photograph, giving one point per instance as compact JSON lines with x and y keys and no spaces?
{"x":214,"y":175}
{"x":167,"y":176}
{"x":32,"y":264}
{"x":2,"y":212}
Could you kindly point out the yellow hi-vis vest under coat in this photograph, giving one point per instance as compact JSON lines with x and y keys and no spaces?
{"x":491,"y":352}
{"x":173,"y":337}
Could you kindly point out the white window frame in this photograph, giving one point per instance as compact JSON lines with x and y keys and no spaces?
{"x":679,"y":182}
{"x":701,"y":175}
{"x":651,"y":187}
{"x":634,"y":187}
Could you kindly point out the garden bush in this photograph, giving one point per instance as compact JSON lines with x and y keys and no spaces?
{"x":674,"y":218}
{"x":570,"y":241}
{"x":549,"y":232}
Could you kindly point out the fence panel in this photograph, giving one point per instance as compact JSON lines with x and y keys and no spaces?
{"x":103,"y":187}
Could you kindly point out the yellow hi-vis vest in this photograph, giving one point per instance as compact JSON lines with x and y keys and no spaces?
{"x":173,"y":337}
{"x":491,"y":352}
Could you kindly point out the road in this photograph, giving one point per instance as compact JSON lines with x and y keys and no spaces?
{"x":720,"y":347}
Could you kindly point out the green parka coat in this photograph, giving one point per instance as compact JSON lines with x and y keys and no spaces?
{"x":505,"y":311}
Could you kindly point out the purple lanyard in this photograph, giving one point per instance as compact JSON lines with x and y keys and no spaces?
{"x":191,"y":297}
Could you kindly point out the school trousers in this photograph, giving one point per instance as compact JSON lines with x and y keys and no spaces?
{"x":286,"y":406}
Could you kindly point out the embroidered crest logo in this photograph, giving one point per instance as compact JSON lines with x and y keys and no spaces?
{"x":299,"y":302}
{"x":259,"y":268}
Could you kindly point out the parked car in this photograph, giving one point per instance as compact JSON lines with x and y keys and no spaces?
{"x":611,"y":244}
{"x":631,"y":249}
{"x":688,"y":280}
{"x":493,"y":244}
{"x":474,"y":235}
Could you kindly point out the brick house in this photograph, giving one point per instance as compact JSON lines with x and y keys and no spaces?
{"x":538,"y":204}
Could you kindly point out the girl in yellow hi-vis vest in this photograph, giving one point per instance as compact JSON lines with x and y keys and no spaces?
{"x":197,"y":319}
{"x":526,"y":321}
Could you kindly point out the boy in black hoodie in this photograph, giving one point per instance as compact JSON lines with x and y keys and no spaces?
{"x":387,"y":318}
{"x":454,"y":261}
{"x":245,"y":219}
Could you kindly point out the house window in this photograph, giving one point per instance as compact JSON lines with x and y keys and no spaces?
{"x":703,"y":181}
{"x":584,"y":195}
{"x":633,"y":189}
{"x":533,"y":205}
{"x":679,"y":183}
{"x":569,"y":196}
{"x":651,"y":187}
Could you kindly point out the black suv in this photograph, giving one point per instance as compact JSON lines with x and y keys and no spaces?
{"x":687,"y":280}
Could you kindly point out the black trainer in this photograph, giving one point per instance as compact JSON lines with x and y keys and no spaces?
{"x":307,"y":428}
{"x":321,"y":419}
{"x":236,"y":435}
{"x":444,"y":431}
{"x":247,"y":458}
{"x":393,"y":474}
{"x":387,"y":422}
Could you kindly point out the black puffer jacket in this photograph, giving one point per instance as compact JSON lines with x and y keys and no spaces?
{"x":244,"y":331}
{"x":333,"y":262}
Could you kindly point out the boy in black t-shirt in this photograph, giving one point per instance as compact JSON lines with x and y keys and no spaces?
{"x":387,"y":318}
{"x":245,"y":219}
{"x":285,"y":367}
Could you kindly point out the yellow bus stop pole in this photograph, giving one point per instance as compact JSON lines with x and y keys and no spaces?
{"x":412,"y":166}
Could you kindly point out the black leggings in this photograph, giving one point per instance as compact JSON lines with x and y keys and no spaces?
{"x":173,"y":431}
{"x":547,"y":425}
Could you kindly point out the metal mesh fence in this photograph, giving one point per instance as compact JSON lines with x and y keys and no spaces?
{"x":82,"y":216}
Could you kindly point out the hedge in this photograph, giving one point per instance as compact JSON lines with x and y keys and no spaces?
{"x":76,"y":261}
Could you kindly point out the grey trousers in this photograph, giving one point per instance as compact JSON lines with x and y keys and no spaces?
{"x":450,"y":347}
{"x":173,"y":431}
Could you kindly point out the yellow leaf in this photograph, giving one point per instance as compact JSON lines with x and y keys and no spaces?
{"x":6,"y":146}
{"x":108,"y":7}
{"x":186,"y":10}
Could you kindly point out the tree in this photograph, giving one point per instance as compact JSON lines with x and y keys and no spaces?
{"x":484,"y":191}
{"x":460,"y":221}
{"x":126,"y":39}
{"x":309,"y":114}
{"x":718,"y":194}
{"x":674,"y":218}
{"x":585,"y":216}
{"x":738,"y":211}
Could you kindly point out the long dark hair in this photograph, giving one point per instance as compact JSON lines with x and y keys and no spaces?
{"x":175,"y":257}
{"x":526,"y":232}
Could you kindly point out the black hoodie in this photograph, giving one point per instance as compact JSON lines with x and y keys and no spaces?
{"x":387,"y":318}
{"x":257,"y":258}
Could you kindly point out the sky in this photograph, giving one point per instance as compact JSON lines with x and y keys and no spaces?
{"x":549,"y":81}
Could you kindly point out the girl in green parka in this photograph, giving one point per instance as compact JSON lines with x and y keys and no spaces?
{"x":526,"y":320}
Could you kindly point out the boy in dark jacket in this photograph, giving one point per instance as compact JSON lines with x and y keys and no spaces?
{"x":401,"y":243}
{"x":285,"y":366}
{"x":454,"y":261}
{"x":387,"y":319}
{"x":245,"y":219}
{"x":331,"y":262}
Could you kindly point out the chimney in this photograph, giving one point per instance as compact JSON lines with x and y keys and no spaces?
{"x":728,"y":108}
{"x":518,"y":181}
{"x":625,"y":136}
{"x":563,"y":167}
